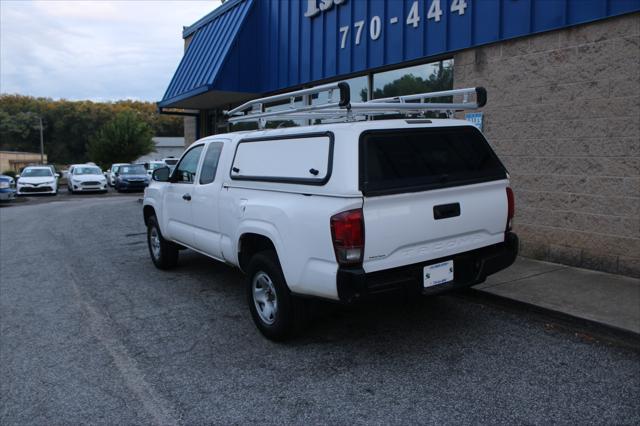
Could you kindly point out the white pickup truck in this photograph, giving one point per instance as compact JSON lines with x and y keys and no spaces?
{"x":337,"y":211}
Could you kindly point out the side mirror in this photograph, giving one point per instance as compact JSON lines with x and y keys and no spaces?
{"x":161,"y":174}
{"x":57,"y":175}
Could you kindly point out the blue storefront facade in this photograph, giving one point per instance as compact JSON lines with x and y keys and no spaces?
{"x":265,"y":46}
{"x":563,"y":82}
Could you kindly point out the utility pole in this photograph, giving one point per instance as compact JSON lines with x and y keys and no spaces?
{"x":41,"y":142}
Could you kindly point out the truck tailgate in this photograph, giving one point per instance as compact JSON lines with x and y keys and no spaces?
{"x":429,"y":193}
{"x":402,"y":229}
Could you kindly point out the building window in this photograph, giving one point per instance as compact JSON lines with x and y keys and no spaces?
{"x":283,"y":106}
{"x":359,"y":89}
{"x":431,"y":77}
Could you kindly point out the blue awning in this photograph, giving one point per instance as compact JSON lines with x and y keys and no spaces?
{"x":207,"y":53}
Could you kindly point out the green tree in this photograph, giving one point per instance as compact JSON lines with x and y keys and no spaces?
{"x":121,"y":140}
{"x":18,"y":131}
{"x":69,"y":125}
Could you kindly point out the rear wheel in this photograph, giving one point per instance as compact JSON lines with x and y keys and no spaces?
{"x":275,"y":311}
{"x":164,"y":254}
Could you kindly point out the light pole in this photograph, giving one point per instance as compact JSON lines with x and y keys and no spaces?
{"x":33,"y":114}
{"x":41,"y":141}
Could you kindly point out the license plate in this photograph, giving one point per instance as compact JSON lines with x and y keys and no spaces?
{"x":439,"y":273}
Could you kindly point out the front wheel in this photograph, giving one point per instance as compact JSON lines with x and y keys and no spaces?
{"x":164,"y":254}
{"x":275,"y":311}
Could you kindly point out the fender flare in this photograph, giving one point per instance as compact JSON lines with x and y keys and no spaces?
{"x":266,"y":229}
{"x":150,"y":203}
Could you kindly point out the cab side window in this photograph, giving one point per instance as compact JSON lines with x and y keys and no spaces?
{"x":210,"y":163}
{"x":185,"y":171}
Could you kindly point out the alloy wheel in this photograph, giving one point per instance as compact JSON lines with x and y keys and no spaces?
{"x":265,"y":297}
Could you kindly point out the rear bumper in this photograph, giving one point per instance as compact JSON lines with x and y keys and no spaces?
{"x":470,"y":268}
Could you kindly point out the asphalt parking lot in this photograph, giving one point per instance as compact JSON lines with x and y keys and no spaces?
{"x":63,"y":195}
{"x":91,"y":332}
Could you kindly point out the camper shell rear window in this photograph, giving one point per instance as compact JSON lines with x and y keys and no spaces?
{"x":298,"y":158}
{"x":412,"y":160}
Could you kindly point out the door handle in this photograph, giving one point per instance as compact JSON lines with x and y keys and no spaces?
{"x":445,"y":211}
{"x":186,"y":197}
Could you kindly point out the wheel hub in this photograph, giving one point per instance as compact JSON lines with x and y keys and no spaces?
{"x":154,"y":239}
{"x":264,"y":297}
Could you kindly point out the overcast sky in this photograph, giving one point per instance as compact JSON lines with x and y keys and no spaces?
{"x":98,"y":50}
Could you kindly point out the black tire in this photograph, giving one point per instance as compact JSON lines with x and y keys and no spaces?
{"x":289,"y":317}
{"x":165,"y":254}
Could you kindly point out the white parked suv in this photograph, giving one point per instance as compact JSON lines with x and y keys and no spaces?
{"x":152,"y":165}
{"x":170,"y":162}
{"x":337,"y":211}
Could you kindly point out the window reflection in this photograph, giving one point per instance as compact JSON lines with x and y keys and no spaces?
{"x":358,"y":91}
{"x":418,"y":79}
{"x":432,"y":77}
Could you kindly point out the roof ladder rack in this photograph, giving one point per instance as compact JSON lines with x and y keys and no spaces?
{"x":344,"y":109}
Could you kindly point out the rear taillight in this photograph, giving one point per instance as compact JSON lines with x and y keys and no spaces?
{"x":511,"y":208}
{"x":347,"y":231}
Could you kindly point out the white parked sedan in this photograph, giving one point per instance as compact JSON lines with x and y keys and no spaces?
{"x":37,"y":180}
{"x":84,"y":178}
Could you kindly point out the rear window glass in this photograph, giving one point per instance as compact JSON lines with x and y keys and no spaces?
{"x":415,"y":160}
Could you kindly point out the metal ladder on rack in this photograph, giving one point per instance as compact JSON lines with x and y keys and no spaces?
{"x":339,"y":106}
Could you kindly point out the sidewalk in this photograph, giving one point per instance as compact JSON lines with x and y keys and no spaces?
{"x":608,"y":299}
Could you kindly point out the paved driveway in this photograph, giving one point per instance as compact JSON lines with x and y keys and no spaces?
{"x":64,"y":195}
{"x":91,"y":332}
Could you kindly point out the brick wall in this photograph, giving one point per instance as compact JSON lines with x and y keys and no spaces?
{"x":564,"y":115}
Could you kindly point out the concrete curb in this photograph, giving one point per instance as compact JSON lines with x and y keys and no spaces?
{"x":581,"y":327}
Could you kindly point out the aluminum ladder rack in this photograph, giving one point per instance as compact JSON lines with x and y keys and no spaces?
{"x":339,"y":106}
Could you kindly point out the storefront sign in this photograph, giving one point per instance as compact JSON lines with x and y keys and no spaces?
{"x":475,"y":118}
{"x":314,"y":8}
